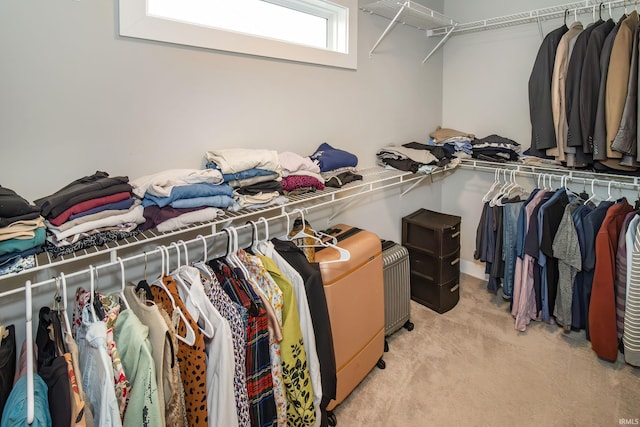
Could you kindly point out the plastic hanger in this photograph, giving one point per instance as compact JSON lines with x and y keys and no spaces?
{"x":496,"y":181}
{"x":190,"y":337}
{"x":261,"y":243}
{"x":124,"y":283}
{"x":502,"y":191}
{"x":254,"y":237}
{"x":197,"y":313}
{"x":65,"y":316}
{"x":330,"y":242}
{"x":201,"y":265}
{"x":609,"y":196}
{"x":593,"y":193}
{"x":92,"y":289}
{"x":29,"y":340}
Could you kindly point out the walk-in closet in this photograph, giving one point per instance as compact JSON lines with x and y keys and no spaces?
{"x":377,"y":219}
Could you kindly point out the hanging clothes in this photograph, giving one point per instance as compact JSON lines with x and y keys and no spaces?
{"x":602,"y":310}
{"x":259,"y":379}
{"x":540,"y":110}
{"x":191,"y":358}
{"x":312,"y":277}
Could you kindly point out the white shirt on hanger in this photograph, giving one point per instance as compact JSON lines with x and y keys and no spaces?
{"x":221,"y":401}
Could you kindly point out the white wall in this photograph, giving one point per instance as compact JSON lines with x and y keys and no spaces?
{"x":77,"y":98}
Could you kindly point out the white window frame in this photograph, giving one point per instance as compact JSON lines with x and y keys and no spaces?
{"x":135,"y":22}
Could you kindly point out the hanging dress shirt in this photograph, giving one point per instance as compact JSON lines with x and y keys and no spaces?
{"x":567,"y":250}
{"x":220,"y":360}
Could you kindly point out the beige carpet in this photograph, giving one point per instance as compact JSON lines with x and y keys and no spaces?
{"x":470,"y":367}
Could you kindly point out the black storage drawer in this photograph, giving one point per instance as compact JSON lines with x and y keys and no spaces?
{"x":439,"y":297}
{"x":436,"y":269}
{"x":433,"y":232}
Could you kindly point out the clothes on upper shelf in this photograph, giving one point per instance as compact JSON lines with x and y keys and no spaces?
{"x":440,"y":134}
{"x":234,"y":160}
{"x":22,"y":232}
{"x":562,"y":259}
{"x":328,"y":158}
{"x":583,"y":95}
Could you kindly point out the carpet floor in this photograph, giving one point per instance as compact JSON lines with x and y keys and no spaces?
{"x":470,"y":367}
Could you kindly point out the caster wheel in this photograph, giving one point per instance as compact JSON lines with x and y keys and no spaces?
{"x":386,"y":346}
{"x":408,"y":325}
{"x":381,"y":364}
{"x":331,"y":419}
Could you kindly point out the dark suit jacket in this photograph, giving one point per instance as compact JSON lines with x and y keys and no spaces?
{"x":543,"y":134}
{"x":572,"y":94}
{"x":600,"y":125}
{"x":590,"y":83}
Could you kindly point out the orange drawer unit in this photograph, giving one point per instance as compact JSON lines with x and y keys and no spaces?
{"x":355,"y":298}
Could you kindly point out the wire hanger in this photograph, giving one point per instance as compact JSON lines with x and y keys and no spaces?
{"x":201,"y":265}
{"x":566,"y":13}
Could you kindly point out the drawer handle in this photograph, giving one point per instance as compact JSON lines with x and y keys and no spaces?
{"x":455,"y":261}
{"x":455,"y":288}
{"x":454,"y":235}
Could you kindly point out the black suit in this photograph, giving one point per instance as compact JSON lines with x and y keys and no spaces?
{"x":543,"y":134}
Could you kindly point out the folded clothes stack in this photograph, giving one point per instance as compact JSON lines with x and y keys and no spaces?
{"x":255,"y":175}
{"x":89,"y":212}
{"x":337,"y":167}
{"x":496,"y":148}
{"x":299,"y":174}
{"x":22,"y":232}
{"x":176,"y":198}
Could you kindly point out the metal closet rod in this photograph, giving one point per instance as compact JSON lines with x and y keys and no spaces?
{"x":570,"y":175}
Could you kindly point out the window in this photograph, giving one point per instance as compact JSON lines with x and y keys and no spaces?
{"x":316,"y":31}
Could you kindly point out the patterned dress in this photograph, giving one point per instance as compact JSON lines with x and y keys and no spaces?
{"x":192,"y":359}
{"x":259,"y":379}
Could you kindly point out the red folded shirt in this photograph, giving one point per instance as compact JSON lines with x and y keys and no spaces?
{"x":88,"y":204}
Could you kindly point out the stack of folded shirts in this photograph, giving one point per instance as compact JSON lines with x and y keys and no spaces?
{"x":255,"y":176}
{"x":337,"y":167}
{"x":22,"y":232}
{"x":176,"y":198}
{"x":89,"y":212}
{"x":496,"y":148}
{"x":299,"y":174}
{"x":406,"y":159}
